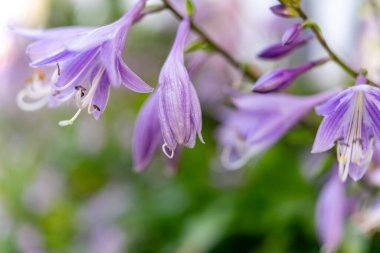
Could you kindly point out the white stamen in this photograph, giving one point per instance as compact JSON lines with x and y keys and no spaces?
{"x":69,"y":122}
{"x":83,"y":101}
{"x":165,"y":149}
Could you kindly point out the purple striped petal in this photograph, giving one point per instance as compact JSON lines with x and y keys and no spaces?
{"x":179,"y":109}
{"x":101,"y":96}
{"x":131,"y":80}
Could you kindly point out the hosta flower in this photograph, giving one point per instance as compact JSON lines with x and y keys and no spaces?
{"x":179,"y":108}
{"x":331,"y":213}
{"x":351,"y":122}
{"x":88,"y":60}
{"x":259,"y":121}
{"x":281,"y":78}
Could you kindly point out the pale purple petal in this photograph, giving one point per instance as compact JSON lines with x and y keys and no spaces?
{"x":147,"y":136}
{"x":76,"y":70}
{"x":54,"y":58}
{"x":101,"y":96}
{"x":179,"y":109}
{"x":330,"y":213}
{"x":131,"y":80}
{"x":110,"y":59}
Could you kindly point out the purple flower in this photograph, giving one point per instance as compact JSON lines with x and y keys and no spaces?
{"x":292,"y":34}
{"x":88,"y":60}
{"x":331,"y":213}
{"x":279,"y":50}
{"x":351,"y":121}
{"x":259,"y":121}
{"x":281,"y":78}
{"x":179,"y":108}
{"x":283,"y":11}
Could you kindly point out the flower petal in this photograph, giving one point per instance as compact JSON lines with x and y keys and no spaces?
{"x":147,"y":134}
{"x":131,"y":80}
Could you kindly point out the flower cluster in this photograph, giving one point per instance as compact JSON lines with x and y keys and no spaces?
{"x":87,"y":61}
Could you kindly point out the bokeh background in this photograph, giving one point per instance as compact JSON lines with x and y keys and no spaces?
{"x":73,"y":189}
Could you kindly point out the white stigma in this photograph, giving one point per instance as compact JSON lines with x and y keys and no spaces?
{"x":351,"y":150}
{"x":85,"y":100}
{"x":165,"y":149}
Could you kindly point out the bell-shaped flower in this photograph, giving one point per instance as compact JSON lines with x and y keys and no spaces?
{"x":352,"y":123}
{"x":87,"y":60}
{"x":148,"y":137}
{"x":279,"y":50}
{"x":259,"y":121}
{"x":281,"y":78}
{"x":179,"y":108}
{"x":331,"y":213}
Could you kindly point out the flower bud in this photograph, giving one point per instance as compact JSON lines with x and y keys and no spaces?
{"x":279,"y":50}
{"x":284,"y":11}
{"x":281,"y":78}
{"x":292,"y":34}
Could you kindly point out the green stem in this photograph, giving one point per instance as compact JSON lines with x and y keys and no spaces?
{"x":318,"y":34}
{"x":249,"y":71}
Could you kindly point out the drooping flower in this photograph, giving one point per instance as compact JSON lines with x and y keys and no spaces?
{"x":279,"y":50}
{"x":331,"y":213}
{"x":292,"y":34}
{"x":351,"y":122}
{"x":259,"y":121}
{"x":88,"y":60}
{"x":179,"y":108}
{"x":281,"y":78}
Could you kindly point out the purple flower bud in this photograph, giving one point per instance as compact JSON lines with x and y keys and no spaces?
{"x":279,"y":50}
{"x":179,"y":108}
{"x":292,"y":34}
{"x":361,"y":79}
{"x":283,"y":11}
{"x":281,"y":78}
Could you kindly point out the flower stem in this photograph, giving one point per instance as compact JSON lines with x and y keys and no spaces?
{"x":249,"y":71}
{"x":318,"y":34}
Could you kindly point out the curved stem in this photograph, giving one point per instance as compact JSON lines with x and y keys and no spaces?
{"x":249,"y":71}
{"x":318,"y":34}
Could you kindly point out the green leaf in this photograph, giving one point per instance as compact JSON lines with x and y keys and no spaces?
{"x":190,"y":7}
{"x":199,"y":44}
